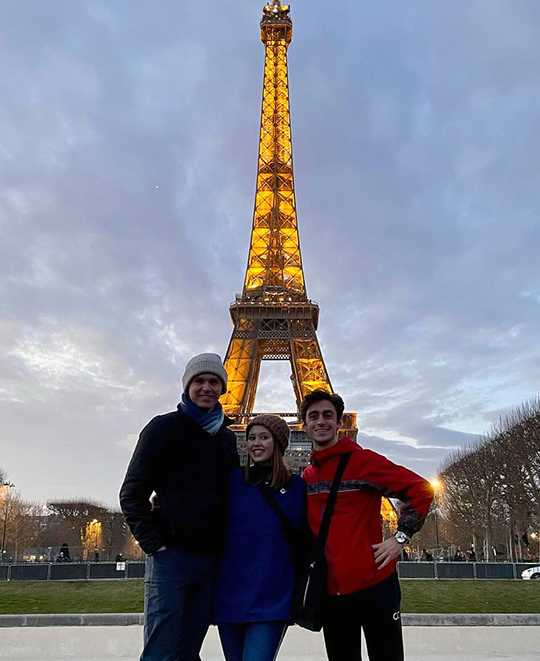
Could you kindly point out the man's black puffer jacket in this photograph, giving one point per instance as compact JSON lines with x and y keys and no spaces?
{"x":188,"y":469}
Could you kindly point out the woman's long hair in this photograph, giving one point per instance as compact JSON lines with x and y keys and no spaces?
{"x":281,"y":475}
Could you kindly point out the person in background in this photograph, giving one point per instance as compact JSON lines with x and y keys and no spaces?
{"x":256,"y":573}
{"x":174,"y":498}
{"x":459,"y":556}
{"x":63,"y":554}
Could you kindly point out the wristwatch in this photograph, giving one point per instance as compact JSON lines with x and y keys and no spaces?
{"x":401,"y":537}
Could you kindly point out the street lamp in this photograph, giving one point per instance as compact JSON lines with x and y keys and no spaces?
{"x":8,"y":486}
{"x":436,"y":484}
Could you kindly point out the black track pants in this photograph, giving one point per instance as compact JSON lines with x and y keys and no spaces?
{"x":377,"y":611}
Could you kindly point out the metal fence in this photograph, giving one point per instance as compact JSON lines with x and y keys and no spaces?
{"x":86,"y":571}
{"x":498,"y":570}
{"x":71,"y":571}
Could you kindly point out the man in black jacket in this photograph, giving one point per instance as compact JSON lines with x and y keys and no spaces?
{"x":174,"y":500}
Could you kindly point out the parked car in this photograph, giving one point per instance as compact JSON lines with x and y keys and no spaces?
{"x":531,"y":573}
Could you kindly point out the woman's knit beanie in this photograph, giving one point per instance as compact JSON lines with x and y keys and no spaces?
{"x":276,"y":426}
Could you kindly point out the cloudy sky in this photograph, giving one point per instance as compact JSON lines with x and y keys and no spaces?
{"x":128,"y":153}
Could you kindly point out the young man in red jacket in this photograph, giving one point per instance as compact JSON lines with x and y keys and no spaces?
{"x":363,"y":587}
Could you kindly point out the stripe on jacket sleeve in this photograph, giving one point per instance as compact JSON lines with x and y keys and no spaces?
{"x":324,"y":486}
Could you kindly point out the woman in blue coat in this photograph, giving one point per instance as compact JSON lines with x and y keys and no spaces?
{"x":252,"y":605}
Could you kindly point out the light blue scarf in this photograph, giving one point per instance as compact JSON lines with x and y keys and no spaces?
{"x":210,"y":421}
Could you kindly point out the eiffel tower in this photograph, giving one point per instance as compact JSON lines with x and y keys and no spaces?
{"x":273,"y":318}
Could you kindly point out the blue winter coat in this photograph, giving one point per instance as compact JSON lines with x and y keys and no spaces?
{"x":256,"y":573}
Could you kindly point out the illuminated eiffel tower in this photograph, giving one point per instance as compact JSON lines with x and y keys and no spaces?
{"x":273,"y":318}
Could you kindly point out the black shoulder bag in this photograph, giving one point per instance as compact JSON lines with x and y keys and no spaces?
{"x":311,"y":590}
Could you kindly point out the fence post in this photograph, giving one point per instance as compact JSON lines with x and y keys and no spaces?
{"x":49,"y":571}
{"x":436,"y":566}
{"x":87,"y":571}
{"x":8,"y":575}
{"x":514,"y":570}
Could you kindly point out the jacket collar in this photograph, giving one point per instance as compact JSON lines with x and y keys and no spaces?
{"x":343,"y":446}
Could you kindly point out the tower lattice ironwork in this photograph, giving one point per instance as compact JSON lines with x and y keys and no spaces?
{"x":273,"y":318}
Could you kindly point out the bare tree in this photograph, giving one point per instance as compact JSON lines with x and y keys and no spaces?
{"x":73,"y":517}
{"x":492,"y":488}
{"x":115,"y":532}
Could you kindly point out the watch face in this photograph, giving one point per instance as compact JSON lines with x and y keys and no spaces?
{"x":401,"y":537}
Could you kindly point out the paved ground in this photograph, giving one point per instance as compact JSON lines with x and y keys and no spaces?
{"x":94,"y":643}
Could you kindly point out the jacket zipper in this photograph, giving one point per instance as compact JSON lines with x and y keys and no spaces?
{"x":332,"y":568}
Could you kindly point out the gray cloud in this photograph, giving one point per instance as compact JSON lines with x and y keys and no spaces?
{"x":127,"y":161}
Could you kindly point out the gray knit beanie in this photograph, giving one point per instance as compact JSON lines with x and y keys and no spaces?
{"x":276,"y":426}
{"x":204,"y":363}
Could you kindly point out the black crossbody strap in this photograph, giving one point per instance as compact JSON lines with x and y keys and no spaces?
{"x":287,"y":525}
{"x":329,"y":509}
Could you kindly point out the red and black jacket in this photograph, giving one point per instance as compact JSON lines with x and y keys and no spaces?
{"x":356,"y":522}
